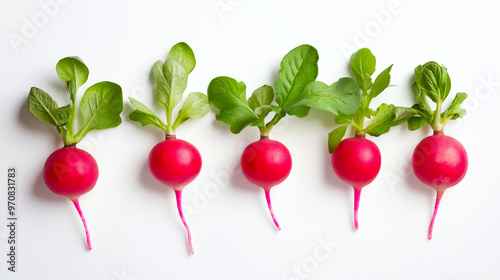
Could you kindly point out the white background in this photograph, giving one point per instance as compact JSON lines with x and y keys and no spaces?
{"x":133,"y":221}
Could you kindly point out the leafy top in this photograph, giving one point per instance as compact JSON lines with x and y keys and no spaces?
{"x":100,"y":107}
{"x":433,"y":81}
{"x":363,"y":64}
{"x":171,"y":79}
{"x":295,"y":93}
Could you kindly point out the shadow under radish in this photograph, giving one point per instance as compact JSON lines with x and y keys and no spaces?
{"x":41,"y":191}
{"x":238,"y":180}
{"x":411,"y":180}
{"x":149,"y":181}
{"x":413,"y":183}
{"x":332,"y":179}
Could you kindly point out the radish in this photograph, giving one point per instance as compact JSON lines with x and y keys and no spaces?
{"x":174,"y":162}
{"x":267,"y":163}
{"x":439,"y":161}
{"x":357,"y":160}
{"x":70,"y":171}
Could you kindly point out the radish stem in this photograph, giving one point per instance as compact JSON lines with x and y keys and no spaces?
{"x":439,"y":195}
{"x":357,"y":194}
{"x":76,"y":202}
{"x":268,"y":198}
{"x":178,"y":196}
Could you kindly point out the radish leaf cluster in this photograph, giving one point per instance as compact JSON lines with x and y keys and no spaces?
{"x":171,"y":79}
{"x":433,"y":81}
{"x":100,"y":106}
{"x":363,"y":64}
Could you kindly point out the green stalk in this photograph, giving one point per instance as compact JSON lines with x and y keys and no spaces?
{"x":359,"y":118}
{"x":69,"y":135}
{"x":437,"y":124}
{"x":170,"y":131}
{"x":264,"y":131}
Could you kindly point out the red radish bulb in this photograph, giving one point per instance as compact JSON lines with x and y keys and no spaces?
{"x":266,"y":163}
{"x":71,"y":172}
{"x":356,"y":161}
{"x":176,"y":163}
{"x":440,"y":162}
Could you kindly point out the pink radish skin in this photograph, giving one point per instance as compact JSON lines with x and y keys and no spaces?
{"x":71,"y":172}
{"x":356,"y":161}
{"x":176,"y":163}
{"x":440,"y":162}
{"x":266,"y":163}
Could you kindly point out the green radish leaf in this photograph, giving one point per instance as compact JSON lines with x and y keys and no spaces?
{"x":342,"y":97}
{"x":447,"y":86}
{"x":362,"y":64}
{"x":261,"y":100}
{"x":184,"y":55}
{"x":171,"y":82}
{"x":100,"y":106}
{"x":263,"y":111}
{"x":433,"y":80}
{"x":73,"y":72}
{"x":381,"y":82}
{"x":455,"y":111}
{"x":195,"y":107}
{"x":162,"y":88}
{"x":44,"y":108}
{"x":176,"y":77}
{"x":422,"y":105}
{"x":229,"y":96}
{"x":72,"y":89}
{"x":63,"y":113}
{"x":72,"y":69}
{"x":426,"y":84}
{"x":145,"y":116}
{"x":423,"y":113}
{"x":415,"y":123}
{"x":381,"y":121}
{"x":335,"y":137}
{"x":402,"y":114}
{"x":277,"y":109}
{"x":343,"y":119}
{"x":459,"y":113}
{"x":299,"y":67}
{"x":298,"y":111}
{"x":264,"y":95}
{"x":366,"y":112}
{"x":386,"y":117}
